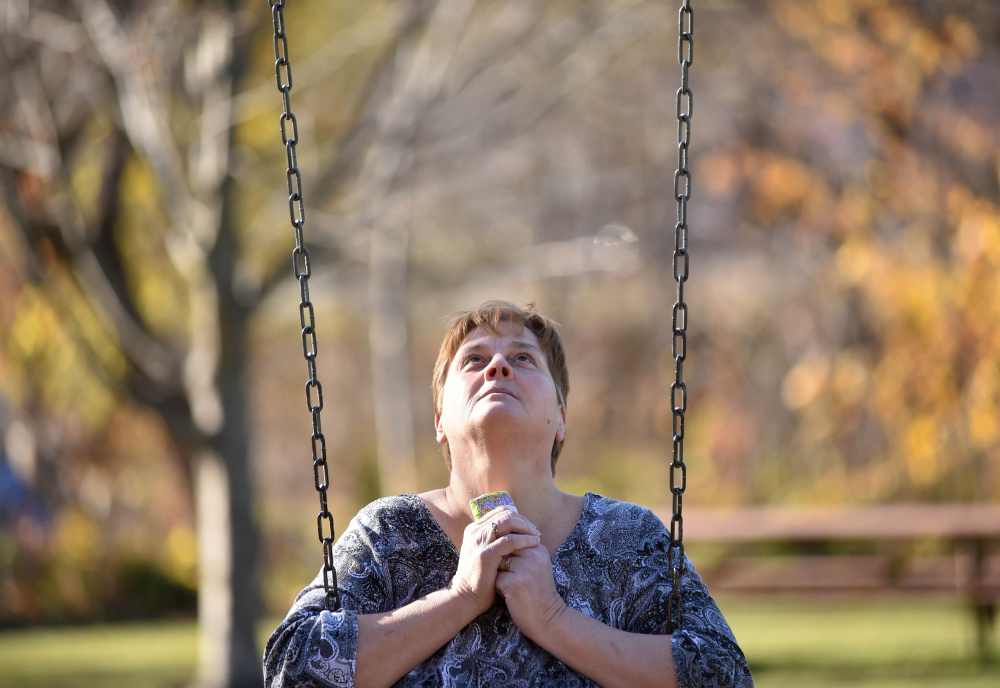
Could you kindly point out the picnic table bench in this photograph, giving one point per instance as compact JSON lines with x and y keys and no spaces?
{"x":822,"y":560}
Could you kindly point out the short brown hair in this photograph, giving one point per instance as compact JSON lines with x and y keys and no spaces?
{"x":489,"y":315}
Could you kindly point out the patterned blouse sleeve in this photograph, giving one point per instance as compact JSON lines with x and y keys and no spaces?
{"x":315,"y":648}
{"x":705,"y":651}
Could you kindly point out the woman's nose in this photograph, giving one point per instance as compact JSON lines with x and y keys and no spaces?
{"x":498,"y":367}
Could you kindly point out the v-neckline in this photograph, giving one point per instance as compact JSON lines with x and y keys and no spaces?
{"x":587,"y":500}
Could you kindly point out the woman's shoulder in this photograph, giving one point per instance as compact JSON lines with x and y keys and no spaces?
{"x":393,"y":505}
{"x":393,"y":511}
{"x":611,"y":528}
{"x":399,"y":517}
{"x":601,"y":509}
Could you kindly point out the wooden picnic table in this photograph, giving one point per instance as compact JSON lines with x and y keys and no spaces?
{"x":824,"y":523}
{"x":970,"y":531}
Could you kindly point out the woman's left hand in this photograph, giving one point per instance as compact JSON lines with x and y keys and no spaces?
{"x":530,"y":590}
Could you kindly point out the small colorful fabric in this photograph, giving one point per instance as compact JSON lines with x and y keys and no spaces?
{"x":483,"y":504}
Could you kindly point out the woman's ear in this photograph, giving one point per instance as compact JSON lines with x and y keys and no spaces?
{"x":561,"y":428}
{"x":439,"y":429}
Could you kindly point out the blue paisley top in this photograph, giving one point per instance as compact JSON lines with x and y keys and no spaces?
{"x":612,"y":567}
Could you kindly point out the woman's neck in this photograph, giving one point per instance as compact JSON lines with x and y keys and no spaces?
{"x":552,"y":511}
{"x":533,"y":490}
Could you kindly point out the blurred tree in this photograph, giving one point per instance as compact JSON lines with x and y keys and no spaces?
{"x":120,"y":178}
{"x":117,"y":174}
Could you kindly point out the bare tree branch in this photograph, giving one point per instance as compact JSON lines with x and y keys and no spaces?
{"x":142,"y":113}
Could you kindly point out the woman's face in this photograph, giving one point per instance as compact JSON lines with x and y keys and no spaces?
{"x":500,"y":382}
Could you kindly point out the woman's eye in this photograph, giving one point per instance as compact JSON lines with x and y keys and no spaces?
{"x":526,"y":358}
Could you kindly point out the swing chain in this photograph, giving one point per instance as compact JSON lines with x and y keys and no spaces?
{"x":307,"y":313}
{"x":679,"y":315}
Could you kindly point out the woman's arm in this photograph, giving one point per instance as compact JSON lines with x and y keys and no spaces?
{"x":392,"y":643}
{"x":608,"y":656}
{"x":702,"y":654}
{"x":313,"y":647}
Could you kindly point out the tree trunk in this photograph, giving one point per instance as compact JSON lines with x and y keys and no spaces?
{"x":229,"y":595}
{"x":228,"y":586}
{"x":387,"y":334}
{"x":241,"y":656}
{"x":421,"y":68}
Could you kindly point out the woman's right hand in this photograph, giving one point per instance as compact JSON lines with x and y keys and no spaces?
{"x":484,"y":549}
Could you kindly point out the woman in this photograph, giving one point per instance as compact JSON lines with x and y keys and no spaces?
{"x":564,"y":590}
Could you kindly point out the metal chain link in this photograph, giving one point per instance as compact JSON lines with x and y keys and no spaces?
{"x":678,"y":389}
{"x":307,"y":314}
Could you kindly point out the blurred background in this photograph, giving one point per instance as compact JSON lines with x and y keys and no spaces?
{"x":844,"y":295}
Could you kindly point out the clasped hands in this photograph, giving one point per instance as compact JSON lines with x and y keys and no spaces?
{"x":502,"y":554}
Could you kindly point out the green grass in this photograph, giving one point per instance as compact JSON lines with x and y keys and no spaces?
{"x":867,"y":644}
{"x":147,"y":655}
{"x":888,"y":643}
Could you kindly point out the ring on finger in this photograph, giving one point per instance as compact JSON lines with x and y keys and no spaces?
{"x":496,"y":531}
{"x":506,"y":564}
